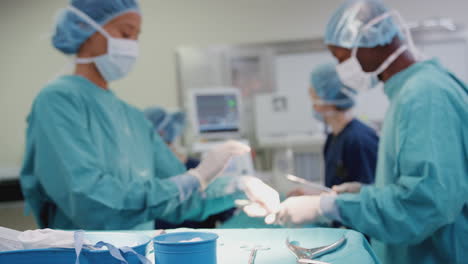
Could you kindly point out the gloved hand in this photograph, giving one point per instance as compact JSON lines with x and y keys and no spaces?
{"x":216,"y":160}
{"x":348,"y":187}
{"x":300,"y":210}
{"x":265,"y":200}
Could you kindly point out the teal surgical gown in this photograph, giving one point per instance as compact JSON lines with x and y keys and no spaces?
{"x":94,"y":162}
{"x":419,"y":204}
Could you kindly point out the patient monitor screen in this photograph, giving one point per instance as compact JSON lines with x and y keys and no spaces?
{"x":217,"y":113}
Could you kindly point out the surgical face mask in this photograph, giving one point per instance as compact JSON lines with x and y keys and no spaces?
{"x":350,"y":71}
{"x":317,"y":116}
{"x":121,"y":54}
{"x":321,"y":116}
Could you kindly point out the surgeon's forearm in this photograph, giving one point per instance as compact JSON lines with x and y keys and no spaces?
{"x":190,"y":203}
{"x":199,"y":208}
{"x":391,"y":215}
{"x":218,"y":197}
{"x":187,"y":184}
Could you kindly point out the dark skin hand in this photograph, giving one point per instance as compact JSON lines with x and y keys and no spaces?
{"x":125,"y":26}
{"x":371,"y":58}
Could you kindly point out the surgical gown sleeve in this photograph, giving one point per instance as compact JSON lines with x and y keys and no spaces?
{"x":218,"y":197}
{"x":69,"y":170}
{"x":425,"y":189}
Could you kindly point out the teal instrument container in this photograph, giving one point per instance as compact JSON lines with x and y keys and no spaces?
{"x":170,"y":248}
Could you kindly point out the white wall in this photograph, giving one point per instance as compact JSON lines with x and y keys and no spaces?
{"x":27,"y":61}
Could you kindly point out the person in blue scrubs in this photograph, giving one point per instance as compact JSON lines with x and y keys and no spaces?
{"x":93,"y":161}
{"x":350,"y":151}
{"x":418,"y":207}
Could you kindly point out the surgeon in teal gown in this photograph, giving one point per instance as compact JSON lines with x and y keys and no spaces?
{"x":94,"y":162}
{"x":419,"y":205}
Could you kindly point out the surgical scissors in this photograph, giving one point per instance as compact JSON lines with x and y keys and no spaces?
{"x":311,"y":253}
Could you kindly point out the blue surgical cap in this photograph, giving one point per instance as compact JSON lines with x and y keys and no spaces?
{"x":168,"y":125}
{"x":346,"y":23}
{"x":71,"y":31}
{"x":327,"y":85}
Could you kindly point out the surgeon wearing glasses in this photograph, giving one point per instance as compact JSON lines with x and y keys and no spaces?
{"x":350,"y":151}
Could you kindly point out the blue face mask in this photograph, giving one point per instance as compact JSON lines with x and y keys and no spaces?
{"x":115,"y":66}
{"x":318,"y":116}
{"x":120,"y":57}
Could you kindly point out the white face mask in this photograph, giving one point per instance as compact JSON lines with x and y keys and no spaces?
{"x":320,"y":116}
{"x":350,"y":71}
{"x":120,"y":57}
